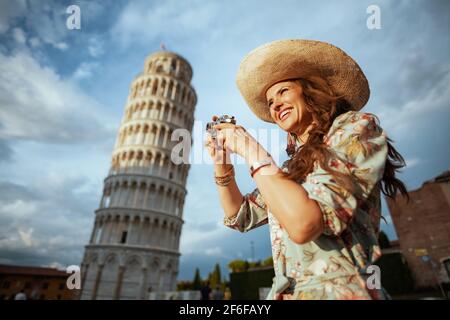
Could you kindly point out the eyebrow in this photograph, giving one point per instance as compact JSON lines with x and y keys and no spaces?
{"x":278,"y":93}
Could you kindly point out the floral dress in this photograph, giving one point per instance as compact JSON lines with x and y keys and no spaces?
{"x":334,"y":266}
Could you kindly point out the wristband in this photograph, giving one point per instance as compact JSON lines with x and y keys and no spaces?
{"x":258,"y":165}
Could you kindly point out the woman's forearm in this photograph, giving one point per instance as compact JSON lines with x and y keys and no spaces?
{"x":288,"y":201}
{"x":230,"y":196}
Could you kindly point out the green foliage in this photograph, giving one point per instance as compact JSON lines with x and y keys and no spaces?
{"x":184,"y":285}
{"x":243,"y":265}
{"x":215,"y":277}
{"x":255,"y":264}
{"x":197,"y":283}
{"x":268,"y":262}
{"x":238,"y":265}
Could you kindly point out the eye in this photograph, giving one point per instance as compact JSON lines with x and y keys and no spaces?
{"x":283,"y":90}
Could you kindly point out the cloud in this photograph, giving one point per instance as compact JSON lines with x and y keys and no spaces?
{"x":85,"y":70}
{"x":412,"y":162}
{"x":143,"y":23}
{"x":35,"y":42}
{"x":415,"y":114}
{"x":48,"y":21}
{"x":27,"y":239}
{"x":10,"y":10}
{"x":46,"y":223}
{"x":61,"y":45}
{"x":5,"y":151}
{"x":19,"y":35}
{"x":37,"y":104}
{"x":216,"y":251}
{"x":96,"y":47}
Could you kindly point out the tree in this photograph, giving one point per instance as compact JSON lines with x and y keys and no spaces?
{"x":238,"y":265}
{"x":197,"y":283}
{"x":268,"y":262}
{"x":184,"y":285}
{"x":215,"y":276}
{"x":255,"y":264}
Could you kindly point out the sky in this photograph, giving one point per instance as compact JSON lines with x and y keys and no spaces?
{"x":63,"y":93}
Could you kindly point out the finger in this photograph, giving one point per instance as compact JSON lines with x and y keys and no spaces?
{"x":209,"y":147}
{"x":209,"y":139}
{"x":220,"y":140}
{"x":224,"y":126}
{"x":207,"y":144}
{"x":211,"y":150}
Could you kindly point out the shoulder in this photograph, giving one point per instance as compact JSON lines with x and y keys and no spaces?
{"x":357,"y":137}
{"x":353,"y":125}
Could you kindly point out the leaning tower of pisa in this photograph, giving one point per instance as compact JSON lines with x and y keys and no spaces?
{"x":134,"y":246}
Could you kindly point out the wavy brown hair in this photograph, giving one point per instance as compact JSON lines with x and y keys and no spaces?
{"x":324,"y":106}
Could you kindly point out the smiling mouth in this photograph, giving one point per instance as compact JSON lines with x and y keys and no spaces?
{"x":284,"y":114}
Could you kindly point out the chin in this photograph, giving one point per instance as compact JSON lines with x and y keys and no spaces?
{"x":288,"y":126}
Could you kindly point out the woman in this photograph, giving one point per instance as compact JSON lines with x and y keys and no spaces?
{"x":323,"y":205}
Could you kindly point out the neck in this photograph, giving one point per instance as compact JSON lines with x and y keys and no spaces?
{"x":302,"y":134}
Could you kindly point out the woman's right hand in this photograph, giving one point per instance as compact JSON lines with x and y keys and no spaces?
{"x":217,"y":152}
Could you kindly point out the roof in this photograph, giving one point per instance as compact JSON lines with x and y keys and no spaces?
{"x":31,"y":271}
{"x":443,"y":177}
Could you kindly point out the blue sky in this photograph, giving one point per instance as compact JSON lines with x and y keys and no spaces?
{"x":63,"y":92}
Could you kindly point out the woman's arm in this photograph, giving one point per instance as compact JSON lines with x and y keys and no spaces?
{"x":242,"y":213}
{"x":287,"y":200}
{"x":230,"y":196}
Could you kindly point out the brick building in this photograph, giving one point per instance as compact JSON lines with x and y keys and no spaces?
{"x":37,"y":283}
{"x":423,"y":229}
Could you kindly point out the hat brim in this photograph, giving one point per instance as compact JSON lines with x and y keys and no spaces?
{"x":291,"y":59}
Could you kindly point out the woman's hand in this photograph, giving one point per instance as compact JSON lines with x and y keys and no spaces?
{"x":217,"y":150}
{"x":235,"y":139}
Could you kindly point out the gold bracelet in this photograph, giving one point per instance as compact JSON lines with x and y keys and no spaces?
{"x":229,"y":172}
{"x":225,"y":179}
{"x":225,"y":182}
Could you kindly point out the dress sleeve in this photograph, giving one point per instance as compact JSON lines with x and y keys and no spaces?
{"x":251,"y":214}
{"x":360,"y":150}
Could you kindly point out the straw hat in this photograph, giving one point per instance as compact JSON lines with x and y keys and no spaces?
{"x":290,"y":59}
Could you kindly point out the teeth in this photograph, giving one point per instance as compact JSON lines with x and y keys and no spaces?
{"x":284,"y":113}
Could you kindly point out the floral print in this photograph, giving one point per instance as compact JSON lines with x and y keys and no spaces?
{"x":334,"y":265}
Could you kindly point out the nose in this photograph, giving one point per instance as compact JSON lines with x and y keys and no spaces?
{"x":276,"y":104}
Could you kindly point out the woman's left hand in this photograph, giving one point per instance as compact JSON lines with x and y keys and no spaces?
{"x":238,"y":140}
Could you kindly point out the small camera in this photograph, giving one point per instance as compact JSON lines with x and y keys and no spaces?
{"x":222,"y":119}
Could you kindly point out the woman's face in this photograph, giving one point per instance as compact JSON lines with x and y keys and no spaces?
{"x":288,"y":107}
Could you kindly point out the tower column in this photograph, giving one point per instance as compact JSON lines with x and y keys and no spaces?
{"x":119,"y":282}
{"x":97,"y":281}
